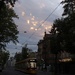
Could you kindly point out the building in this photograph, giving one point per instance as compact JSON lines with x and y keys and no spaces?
{"x":40,"y":51}
{"x":44,"y":51}
{"x":32,"y":54}
{"x":66,"y":62}
{"x":63,"y":62}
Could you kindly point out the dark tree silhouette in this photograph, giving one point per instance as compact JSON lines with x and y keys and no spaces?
{"x":18,"y":57}
{"x":8,"y":28}
{"x":4,"y":2}
{"x":24,"y":52}
{"x":69,"y":7}
{"x":63,"y":31}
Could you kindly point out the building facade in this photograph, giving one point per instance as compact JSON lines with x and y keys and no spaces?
{"x":44,"y":51}
{"x":62,"y":62}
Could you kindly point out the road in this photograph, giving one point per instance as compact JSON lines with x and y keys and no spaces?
{"x":11,"y":71}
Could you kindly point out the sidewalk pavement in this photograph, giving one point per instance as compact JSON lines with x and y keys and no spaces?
{"x":44,"y":72}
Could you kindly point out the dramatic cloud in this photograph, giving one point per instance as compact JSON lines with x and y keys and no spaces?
{"x":32,"y":15}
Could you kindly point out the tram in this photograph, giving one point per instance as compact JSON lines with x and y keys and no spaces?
{"x":28,"y":65}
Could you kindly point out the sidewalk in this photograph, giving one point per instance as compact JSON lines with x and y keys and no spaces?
{"x":40,"y":72}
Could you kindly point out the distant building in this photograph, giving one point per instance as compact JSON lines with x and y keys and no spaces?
{"x":13,"y":62}
{"x":65,"y":61}
{"x":10,"y":63}
{"x":40,"y":52}
{"x":32,"y":55}
{"x":44,"y":50}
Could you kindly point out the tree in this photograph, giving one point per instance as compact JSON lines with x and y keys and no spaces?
{"x":65,"y":27}
{"x":63,"y":31}
{"x":8,"y":28}
{"x":63,"y":36}
{"x":69,"y":7}
{"x":55,"y":44}
{"x":22,"y":55}
{"x":24,"y":52}
{"x":4,"y":2}
{"x":4,"y":56}
{"x":57,"y":35}
{"x":18,"y":57}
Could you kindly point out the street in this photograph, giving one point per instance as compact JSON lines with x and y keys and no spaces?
{"x":11,"y":71}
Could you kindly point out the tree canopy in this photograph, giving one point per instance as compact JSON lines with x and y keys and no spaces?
{"x":3,"y":2}
{"x":69,"y":7}
{"x":24,"y":52}
{"x":63,"y":30}
{"x":8,"y":28}
{"x":4,"y":56}
{"x":18,"y":56}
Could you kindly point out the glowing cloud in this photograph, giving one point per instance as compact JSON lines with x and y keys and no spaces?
{"x":46,"y":28}
{"x":42,"y":25}
{"x":35,"y":29}
{"x":50,"y":27}
{"x":42,"y":34}
{"x":23,"y":13}
{"x":34,"y":24}
{"x":39,"y":29}
{"x":32,"y":18}
{"x":28,"y":21}
{"x":32,"y":28}
{"x":42,"y":5}
{"x":30,"y":14}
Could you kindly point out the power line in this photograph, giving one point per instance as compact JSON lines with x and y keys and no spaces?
{"x":43,"y":22}
{"x":31,"y":44}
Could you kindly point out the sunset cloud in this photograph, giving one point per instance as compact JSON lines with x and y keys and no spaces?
{"x":32,"y":15}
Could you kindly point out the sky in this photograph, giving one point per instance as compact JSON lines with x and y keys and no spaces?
{"x":31,"y":23}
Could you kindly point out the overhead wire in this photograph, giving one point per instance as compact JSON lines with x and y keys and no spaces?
{"x":43,"y":22}
{"x":40,"y":25}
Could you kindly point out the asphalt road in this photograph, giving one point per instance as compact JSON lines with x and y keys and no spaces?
{"x":11,"y":71}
